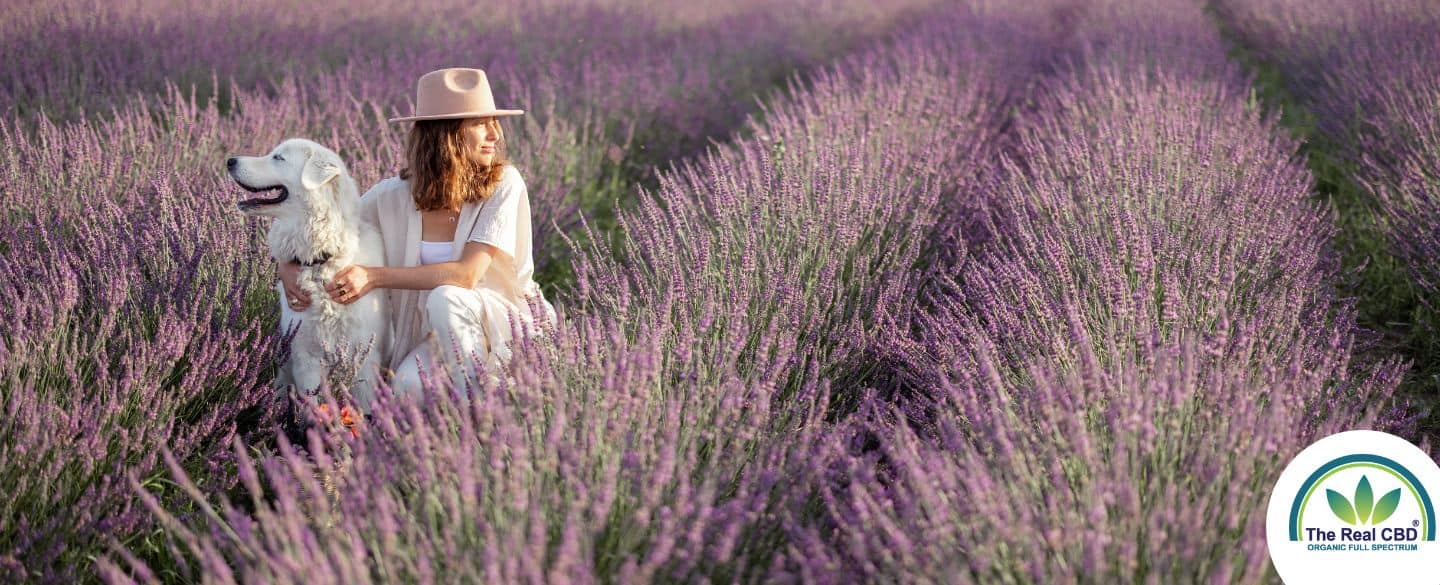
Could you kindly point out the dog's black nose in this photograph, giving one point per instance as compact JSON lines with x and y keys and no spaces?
{"x":231,"y":162}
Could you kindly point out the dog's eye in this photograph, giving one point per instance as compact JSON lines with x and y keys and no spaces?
{"x":277,"y":157}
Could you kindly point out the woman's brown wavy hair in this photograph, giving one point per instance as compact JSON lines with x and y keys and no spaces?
{"x":441,"y":173}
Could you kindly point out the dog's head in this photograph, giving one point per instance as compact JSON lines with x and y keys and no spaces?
{"x":297,"y":177}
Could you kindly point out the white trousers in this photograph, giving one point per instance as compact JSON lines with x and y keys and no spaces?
{"x":463,"y":325}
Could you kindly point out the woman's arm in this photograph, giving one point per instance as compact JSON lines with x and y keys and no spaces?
{"x":457,"y":273}
{"x":465,"y":272}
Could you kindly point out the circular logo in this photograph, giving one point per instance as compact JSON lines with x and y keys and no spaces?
{"x":1356,"y":507}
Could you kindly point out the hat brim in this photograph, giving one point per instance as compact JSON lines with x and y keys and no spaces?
{"x":496,"y":113}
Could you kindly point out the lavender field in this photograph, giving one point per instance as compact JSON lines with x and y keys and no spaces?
{"x":937,"y":291}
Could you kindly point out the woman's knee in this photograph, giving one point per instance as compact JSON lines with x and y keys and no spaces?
{"x":444,"y":299}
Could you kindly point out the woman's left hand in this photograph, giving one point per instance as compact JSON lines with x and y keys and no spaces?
{"x":351,"y":283}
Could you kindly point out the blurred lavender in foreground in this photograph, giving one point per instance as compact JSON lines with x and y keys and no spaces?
{"x":601,"y":462}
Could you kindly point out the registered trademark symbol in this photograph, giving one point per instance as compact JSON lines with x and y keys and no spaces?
{"x":1414,"y":522}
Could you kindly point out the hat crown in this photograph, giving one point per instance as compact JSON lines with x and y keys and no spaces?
{"x":455,"y":92}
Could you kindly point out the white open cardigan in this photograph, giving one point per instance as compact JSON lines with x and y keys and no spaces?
{"x":505,"y":223}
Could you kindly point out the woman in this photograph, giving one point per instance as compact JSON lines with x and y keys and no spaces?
{"x":456,"y":228}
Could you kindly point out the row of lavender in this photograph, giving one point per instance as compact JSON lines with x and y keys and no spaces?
{"x":139,"y":310}
{"x":655,"y":440}
{"x":1110,"y":386}
{"x":1366,"y":72}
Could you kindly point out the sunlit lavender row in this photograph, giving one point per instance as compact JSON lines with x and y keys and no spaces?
{"x":1366,"y":70}
{"x":650,"y":443}
{"x":1108,"y":388}
{"x":142,"y":311}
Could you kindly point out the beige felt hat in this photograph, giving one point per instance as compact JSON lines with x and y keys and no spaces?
{"x":456,"y":92}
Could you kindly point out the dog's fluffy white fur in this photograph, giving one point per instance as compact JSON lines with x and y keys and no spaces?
{"x":316,"y":208}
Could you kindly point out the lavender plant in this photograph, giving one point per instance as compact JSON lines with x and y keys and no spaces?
{"x":114,"y":345}
{"x":1149,"y":468}
{"x":1108,"y":389}
{"x":1361,"y":76}
{"x":602,"y":461}
{"x":819,"y":223}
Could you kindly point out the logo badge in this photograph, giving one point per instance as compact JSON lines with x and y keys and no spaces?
{"x":1356,"y":506}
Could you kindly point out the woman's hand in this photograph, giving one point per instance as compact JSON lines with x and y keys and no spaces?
{"x":351,"y":283}
{"x":289,"y":277}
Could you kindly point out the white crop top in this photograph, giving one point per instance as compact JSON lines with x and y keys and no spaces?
{"x":432,"y":252}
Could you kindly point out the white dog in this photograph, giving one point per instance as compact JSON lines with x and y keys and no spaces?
{"x":316,"y":208}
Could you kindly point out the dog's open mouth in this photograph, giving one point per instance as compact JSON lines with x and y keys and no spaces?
{"x":262,"y":200}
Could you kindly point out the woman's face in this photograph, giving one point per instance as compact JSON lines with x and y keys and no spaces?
{"x":481,"y":136}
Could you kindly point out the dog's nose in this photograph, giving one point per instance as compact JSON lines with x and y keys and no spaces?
{"x":231,"y":162}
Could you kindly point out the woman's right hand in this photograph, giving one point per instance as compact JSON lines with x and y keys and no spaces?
{"x":289,"y":277}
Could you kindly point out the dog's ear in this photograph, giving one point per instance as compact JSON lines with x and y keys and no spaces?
{"x":319,"y":169}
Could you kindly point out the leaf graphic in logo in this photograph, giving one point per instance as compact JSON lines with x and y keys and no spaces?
{"x":1364,"y":500}
{"x":1386,"y":506}
{"x":1341,"y":506}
